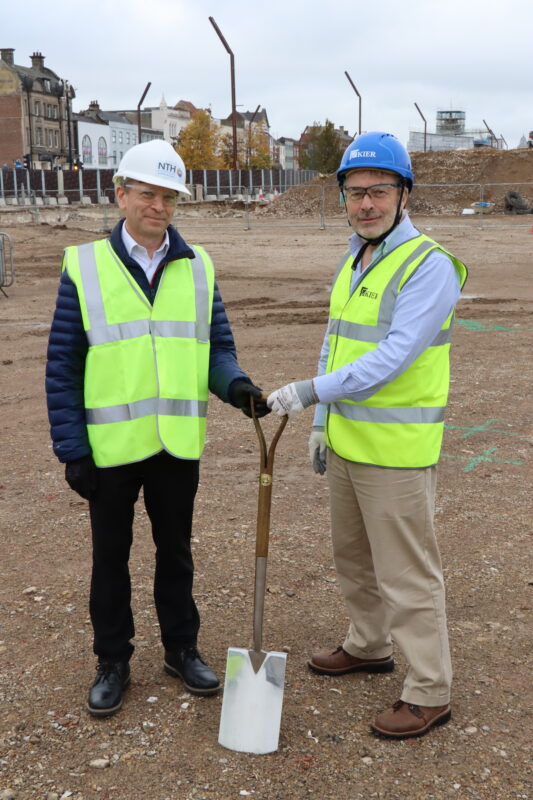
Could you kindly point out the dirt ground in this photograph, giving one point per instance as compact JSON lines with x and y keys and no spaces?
{"x":163,"y":744}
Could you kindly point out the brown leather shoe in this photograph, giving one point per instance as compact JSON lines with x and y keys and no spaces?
{"x":405,"y":720}
{"x":339,"y":662}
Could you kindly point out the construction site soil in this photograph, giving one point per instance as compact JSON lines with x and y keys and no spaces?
{"x":163,"y":745}
{"x":497,"y":171}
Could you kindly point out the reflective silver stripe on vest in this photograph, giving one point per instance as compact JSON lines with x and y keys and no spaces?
{"x":144,"y":408}
{"x":121,"y":330}
{"x":442,"y":337}
{"x":412,"y":415}
{"x":390,"y":294}
{"x":100,"y":332}
{"x":202,"y":297}
{"x":361,"y":333}
{"x":376,"y":333}
{"x":92,"y":290}
{"x":344,"y":258}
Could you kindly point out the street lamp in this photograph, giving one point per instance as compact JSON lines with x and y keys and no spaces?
{"x":358,"y":95}
{"x":492,"y":135}
{"x":139,"y":110}
{"x":250,"y":134}
{"x":233,"y":103}
{"x":425,"y":126}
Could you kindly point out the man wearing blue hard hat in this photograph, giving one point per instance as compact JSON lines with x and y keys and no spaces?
{"x":380,"y":395}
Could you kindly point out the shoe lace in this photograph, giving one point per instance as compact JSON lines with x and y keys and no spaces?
{"x":414,"y":709}
{"x":192,"y":652}
{"x":105,"y":668}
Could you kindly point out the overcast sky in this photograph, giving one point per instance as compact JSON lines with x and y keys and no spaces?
{"x":290,"y":57}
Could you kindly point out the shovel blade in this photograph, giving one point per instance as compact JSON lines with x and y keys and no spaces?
{"x":252,"y":702}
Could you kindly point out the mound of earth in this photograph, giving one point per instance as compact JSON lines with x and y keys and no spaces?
{"x":463,"y":173}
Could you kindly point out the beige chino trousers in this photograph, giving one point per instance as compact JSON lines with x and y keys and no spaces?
{"x":389,"y":571}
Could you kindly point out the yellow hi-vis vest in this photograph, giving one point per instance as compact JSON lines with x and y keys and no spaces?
{"x":147,"y":367}
{"x":402,"y":424}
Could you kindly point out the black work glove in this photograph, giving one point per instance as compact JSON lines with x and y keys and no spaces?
{"x":240,"y":393}
{"x":82,"y":476}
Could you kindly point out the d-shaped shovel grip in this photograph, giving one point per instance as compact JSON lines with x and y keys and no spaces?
{"x":266,"y":466}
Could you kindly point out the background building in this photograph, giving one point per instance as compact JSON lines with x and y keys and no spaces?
{"x":104,"y":136}
{"x":167,"y":121}
{"x":35,"y":110}
{"x":451,"y":134}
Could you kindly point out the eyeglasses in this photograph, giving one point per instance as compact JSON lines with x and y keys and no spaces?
{"x":148,"y":195}
{"x":379,"y":191}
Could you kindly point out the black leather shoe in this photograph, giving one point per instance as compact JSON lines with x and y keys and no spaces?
{"x":105,"y":696}
{"x":188,"y":664}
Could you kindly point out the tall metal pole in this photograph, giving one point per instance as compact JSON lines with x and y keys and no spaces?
{"x":233,"y":100}
{"x":139,"y":110}
{"x":492,"y":134}
{"x":250,"y":134}
{"x":358,"y":95}
{"x":425,"y":127}
{"x":69,"y":126}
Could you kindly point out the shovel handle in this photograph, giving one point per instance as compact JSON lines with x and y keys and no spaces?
{"x":266,"y":466}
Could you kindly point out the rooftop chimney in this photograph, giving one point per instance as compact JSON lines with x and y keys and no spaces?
{"x":94,"y":106}
{"x":8,"y":55}
{"x":37,"y":60}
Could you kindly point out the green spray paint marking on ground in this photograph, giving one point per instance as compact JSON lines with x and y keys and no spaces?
{"x":481,"y":327}
{"x":473,"y":462}
{"x":483,"y":427}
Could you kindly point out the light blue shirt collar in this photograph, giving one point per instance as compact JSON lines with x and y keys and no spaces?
{"x":401,"y":233}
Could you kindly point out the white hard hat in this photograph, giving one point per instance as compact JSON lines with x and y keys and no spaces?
{"x":153,"y":162}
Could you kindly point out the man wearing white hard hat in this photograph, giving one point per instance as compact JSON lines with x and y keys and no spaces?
{"x":139,"y":337}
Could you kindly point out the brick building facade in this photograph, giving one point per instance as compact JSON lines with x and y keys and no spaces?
{"x":35,"y":110}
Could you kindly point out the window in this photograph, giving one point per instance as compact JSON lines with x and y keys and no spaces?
{"x":56,"y":139}
{"x":46,"y":84}
{"x":87,"y":150}
{"x":127,"y":138}
{"x":54,"y":112}
{"x":120,"y":137}
{"x":114,"y":157}
{"x":102,"y":151}
{"x":39,"y":135}
{"x":37,"y":108}
{"x":50,"y":138}
{"x":113,"y":136}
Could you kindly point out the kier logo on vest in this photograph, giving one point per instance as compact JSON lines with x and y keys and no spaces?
{"x":367,"y":293}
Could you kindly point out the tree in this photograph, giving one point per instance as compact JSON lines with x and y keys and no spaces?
{"x":322,"y":149}
{"x":258,"y":146}
{"x":199,"y":142}
{"x":253,"y":148}
{"x":225,"y":151}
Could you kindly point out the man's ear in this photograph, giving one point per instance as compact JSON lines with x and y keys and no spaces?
{"x":120,"y":193}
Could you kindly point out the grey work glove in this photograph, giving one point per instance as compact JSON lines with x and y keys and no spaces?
{"x":82,"y":476}
{"x":292,"y":398}
{"x":317,"y":449}
{"x":239,"y":394}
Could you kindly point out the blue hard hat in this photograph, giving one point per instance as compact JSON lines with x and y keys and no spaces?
{"x":377,"y":150}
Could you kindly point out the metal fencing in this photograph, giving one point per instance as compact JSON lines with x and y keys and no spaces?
{"x":22,"y":187}
{"x":320,"y":205}
{"x":259,"y":200}
{"x":7,"y":270}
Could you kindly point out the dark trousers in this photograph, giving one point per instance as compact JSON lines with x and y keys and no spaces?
{"x":170,"y":486}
